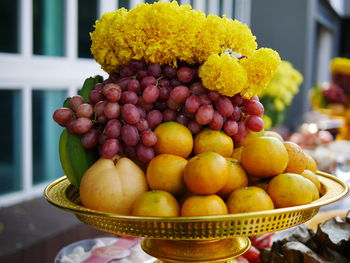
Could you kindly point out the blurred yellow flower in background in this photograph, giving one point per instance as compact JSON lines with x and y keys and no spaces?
{"x":280,"y":91}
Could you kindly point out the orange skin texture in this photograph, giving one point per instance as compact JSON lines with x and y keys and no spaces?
{"x":165,"y":172}
{"x":156,"y":203}
{"x":296,"y":158}
{"x":249,"y":199}
{"x":264,"y":157}
{"x":173,"y":138}
{"x":289,"y":189}
{"x":203,"y":205}
{"x":237,"y":178}
{"x":210,"y":140}
{"x":206,"y":173}
{"x":311,"y":164}
{"x":313,"y":178}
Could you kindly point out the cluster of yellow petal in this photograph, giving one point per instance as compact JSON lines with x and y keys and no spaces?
{"x":247,"y":76}
{"x":166,"y":33}
{"x":224,"y":74}
{"x":260,"y":67}
{"x":283,"y":86}
{"x":340,"y":66}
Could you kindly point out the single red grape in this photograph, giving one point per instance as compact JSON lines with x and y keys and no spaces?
{"x":85,"y":110}
{"x":192,"y":103}
{"x":205,"y":114}
{"x":254,"y":123}
{"x":217,"y":121}
{"x":148,"y":138}
{"x":145,"y":154}
{"x":231,"y":127}
{"x":62,"y":116}
{"x":90,"y":139}
{"x":130,"y":113}
{"x":110,"y":148}
{"x":224,"y":106}
{"x":185,"y":74}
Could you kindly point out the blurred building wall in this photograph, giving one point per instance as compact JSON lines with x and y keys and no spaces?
{"x":306,"y":33}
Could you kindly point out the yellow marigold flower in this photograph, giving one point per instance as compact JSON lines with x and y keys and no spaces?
{"x":260,"y":67}
{"x":163,"y":32}
{"x":224,"y":74}
{"x":103,"y":48}
{"x":340,"y":66}
{"x":220,"y":33}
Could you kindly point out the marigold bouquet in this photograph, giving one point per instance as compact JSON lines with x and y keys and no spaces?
{"x":167,"y":62}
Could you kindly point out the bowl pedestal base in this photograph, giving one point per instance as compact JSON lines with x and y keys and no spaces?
{"x":203,"y":251}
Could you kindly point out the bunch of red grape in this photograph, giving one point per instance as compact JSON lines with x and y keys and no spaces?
{"x":335,"y":94}
{"x":123,"y":111}
{"x":342,"y":81}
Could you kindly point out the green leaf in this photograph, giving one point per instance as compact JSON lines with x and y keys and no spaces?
{"x":98,"y":79}
{"x":87,"y":87}
{"x":66,"y":103}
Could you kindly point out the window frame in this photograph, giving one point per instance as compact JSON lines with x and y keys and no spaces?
{"x":48,"y":72}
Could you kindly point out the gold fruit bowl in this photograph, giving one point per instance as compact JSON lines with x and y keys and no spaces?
{"x":195,"y":239}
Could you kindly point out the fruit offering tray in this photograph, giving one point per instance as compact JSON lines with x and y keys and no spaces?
{"x":63,"y":195}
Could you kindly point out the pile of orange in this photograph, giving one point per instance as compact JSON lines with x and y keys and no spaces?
{"x":207,"y":175}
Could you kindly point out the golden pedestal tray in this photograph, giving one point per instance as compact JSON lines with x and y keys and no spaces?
{"x":195,"y":239}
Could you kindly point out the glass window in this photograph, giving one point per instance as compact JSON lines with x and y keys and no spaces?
{"x":49,"y":27}
{"x":9,"y":25}
{"x":221,"y":7}
{"x":10,"y":141}
{"x":87,"y":15}
{"x":46,"y":133}
{"x":124,"y":3}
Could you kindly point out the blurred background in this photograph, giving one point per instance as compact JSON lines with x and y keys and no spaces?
{"x":45,"y":57}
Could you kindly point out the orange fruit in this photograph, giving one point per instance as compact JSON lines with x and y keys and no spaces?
{"x":296,"y":158}
{"x":203,"y":205}
{"x":156,"y":203}
{"x":289,"y":189}
{"x":264,"y":157}
{"x":313,"y":178}
{"x":273,"y":134}
{"x":236,"y":154}
{"x":236,"y":178}
{"x":206,"y":173}
{"x":311,"y":163}
{"x":249,"y":199}
{"x":210,"y":140}
{"x":249,"y":137}
{"x":173,"y":138}
{"x":165,"y":172}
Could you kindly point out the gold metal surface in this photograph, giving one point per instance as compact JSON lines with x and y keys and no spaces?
{"x":218,"y":250}
{"x":63,"y":195}
{"x":195,"y":239}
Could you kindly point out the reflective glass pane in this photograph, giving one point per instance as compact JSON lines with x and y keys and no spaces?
{"x":46,"y":133}
{"x":87,"y":15}
{"x":10,"y":141}
{"x":48,"y":27}
{"x":9,"y":26}
{"x":124,"y":3}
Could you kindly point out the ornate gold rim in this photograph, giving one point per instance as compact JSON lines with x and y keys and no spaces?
{"x":332,"y":187}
